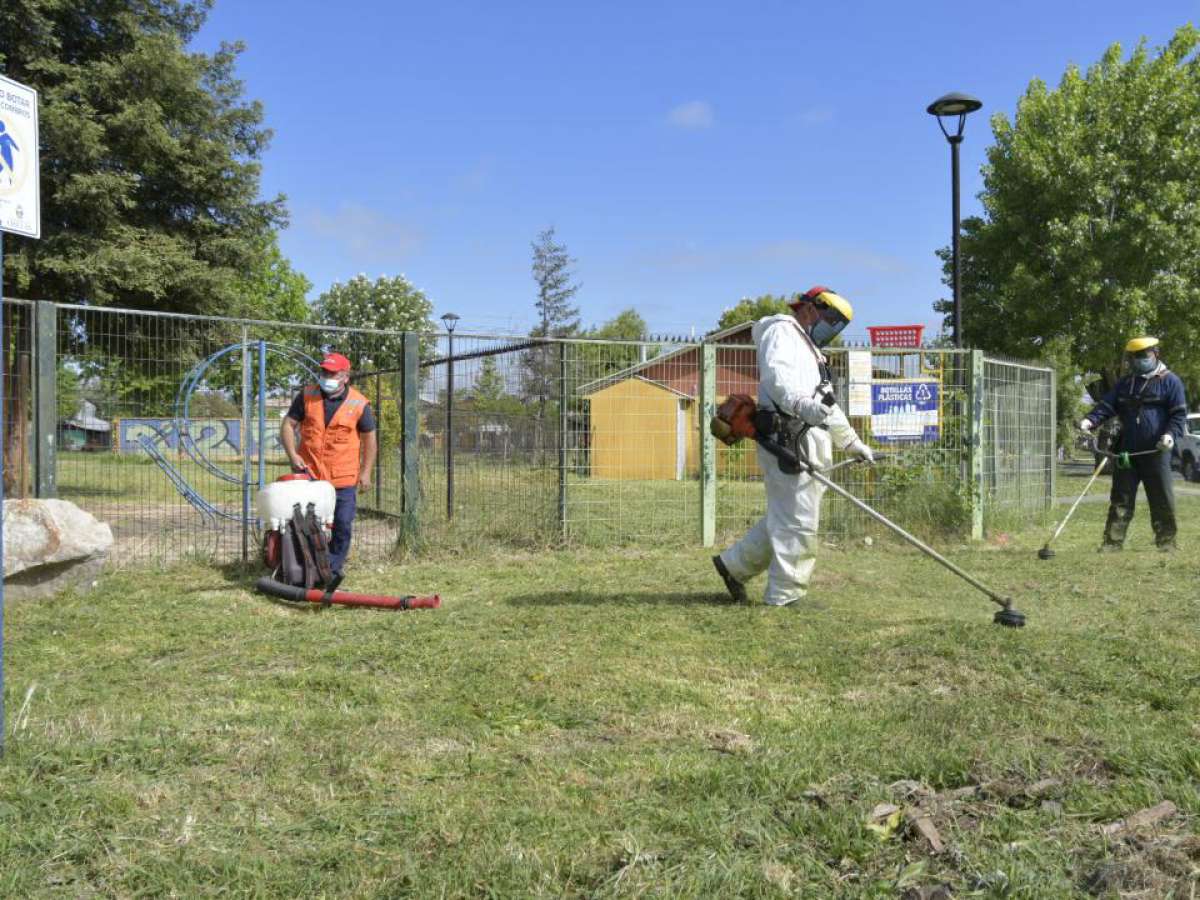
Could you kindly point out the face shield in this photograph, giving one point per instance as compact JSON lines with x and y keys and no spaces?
{"x":835,"y":314}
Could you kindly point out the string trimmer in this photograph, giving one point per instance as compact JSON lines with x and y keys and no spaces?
{"x":734,"y":421}
{"x":1121,"y":461}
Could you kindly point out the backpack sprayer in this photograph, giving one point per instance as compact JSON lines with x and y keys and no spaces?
{"x":739,"y":417}
{"x":297,"y":511}
{"x":1120,"y":461}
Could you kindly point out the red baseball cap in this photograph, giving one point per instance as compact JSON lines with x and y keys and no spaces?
{"x":335,"y":362}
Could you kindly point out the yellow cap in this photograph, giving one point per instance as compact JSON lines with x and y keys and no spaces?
{"x":1137,"y":345}
{"x":838,"y":302}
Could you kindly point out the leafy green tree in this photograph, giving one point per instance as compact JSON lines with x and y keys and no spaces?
{"x":386,"y":304}
{"x":272,"y":289}
{"x":150,"y":162}
{"x":389,"y":303}
{"x":751,"y":310}
{"x":627,"y":325}
{"x":597,"y":360}
{"x":1090,"y":232}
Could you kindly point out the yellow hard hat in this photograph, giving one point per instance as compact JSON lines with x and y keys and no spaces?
{"x":835,"y":313}
{"x":1137,"y":345}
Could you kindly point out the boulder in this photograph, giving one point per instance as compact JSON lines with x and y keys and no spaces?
{"x":51,"y":545}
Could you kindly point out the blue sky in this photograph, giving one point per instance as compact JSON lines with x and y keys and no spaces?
{"x":688,"y":154}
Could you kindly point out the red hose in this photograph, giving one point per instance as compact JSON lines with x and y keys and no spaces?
{"x":345,"y":598}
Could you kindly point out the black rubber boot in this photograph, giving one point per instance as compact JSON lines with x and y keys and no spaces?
{"x":736,"y":589}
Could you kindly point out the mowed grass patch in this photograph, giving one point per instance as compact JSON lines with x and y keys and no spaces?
{"x":596,"y":723}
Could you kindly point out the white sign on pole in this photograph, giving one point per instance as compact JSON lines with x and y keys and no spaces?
{"x":859,"y":366}
{"x":20,"y":195}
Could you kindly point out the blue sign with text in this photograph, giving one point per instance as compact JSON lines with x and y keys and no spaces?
{"x":905,"y":411}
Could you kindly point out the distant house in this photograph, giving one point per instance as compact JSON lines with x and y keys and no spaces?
{"x":643,"y":419}
{"x":85,"y":430}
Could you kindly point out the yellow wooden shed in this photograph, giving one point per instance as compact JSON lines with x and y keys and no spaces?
{"x":642,"y":430}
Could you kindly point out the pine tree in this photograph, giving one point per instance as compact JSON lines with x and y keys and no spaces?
{"x":552,"y":273}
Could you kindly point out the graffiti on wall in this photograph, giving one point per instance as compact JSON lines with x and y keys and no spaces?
{"x":214,"y":437}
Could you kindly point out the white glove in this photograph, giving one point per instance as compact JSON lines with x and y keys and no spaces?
{"x":859,"y":450}
{"x":1086,"y":426}
{"x":812,"y":412}
{"x":1166,"y":442}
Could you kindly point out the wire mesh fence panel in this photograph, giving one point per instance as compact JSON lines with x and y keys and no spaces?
{"x":489,"y":434}
{"x":166,"y":425}
{"x":910,"y":404}
{"x":171,"y":423}
{"x":633,"y":442}
{"x":18,"y":386}
{"x":1018,"y":441}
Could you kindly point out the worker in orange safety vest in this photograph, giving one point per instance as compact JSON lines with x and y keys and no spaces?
{"x":337,"y":444}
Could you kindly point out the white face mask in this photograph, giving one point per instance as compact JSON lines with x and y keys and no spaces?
{"x":330,"y":385}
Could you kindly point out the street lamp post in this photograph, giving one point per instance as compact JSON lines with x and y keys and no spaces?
{"x":960,"y":105}
{"x":450,"y":320}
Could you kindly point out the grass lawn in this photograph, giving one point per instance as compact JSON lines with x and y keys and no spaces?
{"x":600,"y":723}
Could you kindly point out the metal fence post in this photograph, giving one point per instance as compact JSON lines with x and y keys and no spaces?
{"x":378,"y":455}
{"x":245,"y":442}
{"x":262,"y":414}
{"x":2,"y":391}
{"x":562,"y":439}
{"x":975,"y":449}
{"x":410,"y":486}
{"x":708,"y":446}
{"x":1052,"y":443}
{"x":450,"y":428}
{"x":45,"y":410}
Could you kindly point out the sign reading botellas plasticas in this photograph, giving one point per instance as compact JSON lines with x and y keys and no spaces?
{"x":905,"y":411}
{"x":20,"y":194}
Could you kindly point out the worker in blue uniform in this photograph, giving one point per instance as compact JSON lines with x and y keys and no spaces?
{"x":1152,"y":409}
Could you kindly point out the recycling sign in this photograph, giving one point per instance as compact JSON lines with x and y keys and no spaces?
{"x":20,"y":203}
{"x":905,"y":411}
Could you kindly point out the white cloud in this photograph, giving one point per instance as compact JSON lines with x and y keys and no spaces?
{"x":696,"y":114}
{"x":364,"y":233}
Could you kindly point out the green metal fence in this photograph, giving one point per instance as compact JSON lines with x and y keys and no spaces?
{"x":164,"y":425}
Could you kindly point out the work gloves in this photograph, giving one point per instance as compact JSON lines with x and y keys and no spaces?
{"x":859,"y":450}
{"x":1166,"y":442}
{"x":812,"y":412}
{"x":1086,"y":426}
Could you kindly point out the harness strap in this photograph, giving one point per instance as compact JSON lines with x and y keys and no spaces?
{"x":301,"y":529}
{"x":320,"y":546}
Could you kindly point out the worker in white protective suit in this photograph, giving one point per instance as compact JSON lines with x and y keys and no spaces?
{"x":793,"y":382}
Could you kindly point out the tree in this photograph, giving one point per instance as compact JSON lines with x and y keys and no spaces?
{"x":751,"y":310}
{"x":385,"y":304}
{"x":150,"y":158}
{"x":489,"y":386}
{"x":597,"y":360}
{"x":272,"y":289}
{"x":1090,"y":232}
{"x":552,"y":273}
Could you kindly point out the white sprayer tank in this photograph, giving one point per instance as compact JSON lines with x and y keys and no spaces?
{"x":277,"y":499}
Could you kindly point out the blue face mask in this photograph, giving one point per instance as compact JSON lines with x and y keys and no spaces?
{"x":330,"y":385}
{"x":1143,"y":364}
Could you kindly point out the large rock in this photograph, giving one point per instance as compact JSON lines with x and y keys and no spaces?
{"x":50,"y":545}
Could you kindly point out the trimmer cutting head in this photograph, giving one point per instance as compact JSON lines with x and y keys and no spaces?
{"x":1010,"y":617}
{"x":1046,"y":553}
